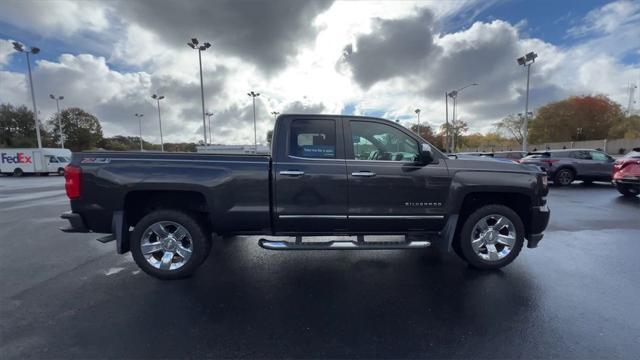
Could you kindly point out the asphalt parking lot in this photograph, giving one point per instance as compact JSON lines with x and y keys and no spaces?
{"x":576,"y":296}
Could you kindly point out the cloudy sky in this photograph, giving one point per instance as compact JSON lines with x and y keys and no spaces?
{"x":378,"y":58}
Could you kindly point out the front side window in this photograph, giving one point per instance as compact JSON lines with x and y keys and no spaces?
{"x":313,"y":139}
{"x":596,"y":155}
{"x":375,"y":141}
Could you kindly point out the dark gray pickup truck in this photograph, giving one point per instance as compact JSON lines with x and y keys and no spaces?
{"x":328,"y":175}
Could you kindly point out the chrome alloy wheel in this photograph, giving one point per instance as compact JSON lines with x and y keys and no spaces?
{"x":493,"y":237}
{"x":166,"y":245}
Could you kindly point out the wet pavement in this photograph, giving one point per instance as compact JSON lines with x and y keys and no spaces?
{"x":576,"y":296}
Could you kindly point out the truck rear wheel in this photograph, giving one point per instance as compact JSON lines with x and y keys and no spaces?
{"x":169,"y":244}
{"x":491,"y":237}
{"x":18,"y":172}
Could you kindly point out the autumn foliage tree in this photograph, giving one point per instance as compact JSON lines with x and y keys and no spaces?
{"x":576,"y":118}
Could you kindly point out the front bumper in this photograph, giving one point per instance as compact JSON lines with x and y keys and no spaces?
{"x":539,"y":220}
{"x":76,"y":223}
{"x":627,"y":180}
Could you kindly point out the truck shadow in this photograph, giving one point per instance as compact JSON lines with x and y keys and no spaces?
{"x":337,"y":304}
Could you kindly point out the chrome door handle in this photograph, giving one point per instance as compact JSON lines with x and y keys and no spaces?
{"x":363,"y":174}
{"x":292,"y":173}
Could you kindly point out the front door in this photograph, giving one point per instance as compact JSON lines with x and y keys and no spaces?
{"x":310,"y":178}
{"x":601,"y":165}
{"x":389,"y":191}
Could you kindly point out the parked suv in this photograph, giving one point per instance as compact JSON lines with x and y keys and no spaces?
{"x":565,"y":166}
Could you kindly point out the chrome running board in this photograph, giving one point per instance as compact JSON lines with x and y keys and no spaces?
{"x":342,"y":245}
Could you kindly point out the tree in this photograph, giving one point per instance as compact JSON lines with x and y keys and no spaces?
{"x":628,"y":128}
{"x":426,"y":132}
{"x":82,"y":131}
{"x":512,"y":125}
{"x":575,"y":118}
{"x":18,"y":128}
{"x":456,"y":131}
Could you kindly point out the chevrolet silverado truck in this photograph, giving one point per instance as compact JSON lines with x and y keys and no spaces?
{"x":338,"y":176}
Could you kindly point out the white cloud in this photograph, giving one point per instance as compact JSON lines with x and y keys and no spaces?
{"x":50,"y":18}
{"x":6,"y":49}
{"x":609,"y":18}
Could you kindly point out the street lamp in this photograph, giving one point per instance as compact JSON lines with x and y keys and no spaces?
{"x":417,"y":111}
{"x":453,"y":95}
{"x":139,"y":116}
{"x":526,"y":60}
{"x":275,"y":115}
{"x":255,"y":134}
{"x":209,"y":114}
{"x":158,"y":98}
{"x":57,"y":100}
{"x":33,"y":50}
{"x":195,"y":45}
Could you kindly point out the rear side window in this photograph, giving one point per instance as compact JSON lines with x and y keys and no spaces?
{"x":313,"y":139}
{"x":582,"y":155}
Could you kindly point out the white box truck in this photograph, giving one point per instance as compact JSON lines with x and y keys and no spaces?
{"x":44,"y":161}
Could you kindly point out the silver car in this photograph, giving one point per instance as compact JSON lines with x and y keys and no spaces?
{"x":565,"y":166}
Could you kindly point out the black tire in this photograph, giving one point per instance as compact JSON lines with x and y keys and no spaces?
{"x":200,"y":240}
{"x":564,"y":177}
{"x":465,"y":237}
{"x":627,"y":190}
{"x":61,"y":171}
{"x":587,"y":182}
{"x":18,"y":172}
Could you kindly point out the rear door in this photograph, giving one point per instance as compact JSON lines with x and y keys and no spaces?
{"x":310,"y":177}
{"x":388,"y":190}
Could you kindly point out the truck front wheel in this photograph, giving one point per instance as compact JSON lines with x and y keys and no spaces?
{"x":491,"y":237}
{"x":169,"y":244}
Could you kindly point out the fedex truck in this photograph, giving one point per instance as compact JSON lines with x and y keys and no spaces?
{"x":18,"y":162}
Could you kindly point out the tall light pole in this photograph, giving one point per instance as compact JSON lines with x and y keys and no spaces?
{"x":57,"y":100}
{"x":158,"y":98}
{"x":446,"y":119}
{"x":255,"y":134}
{"x":417,"y":111}
{"x":209,"y":114}
{"x":139,"y":116}
{"x":33,"y":50}
{"x":195,"y":45}
{"x":454,"y":95}
{"x":526,"y":61}
{"x":275,"y":115}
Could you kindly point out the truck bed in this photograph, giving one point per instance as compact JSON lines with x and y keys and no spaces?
{"x":235,"y":188}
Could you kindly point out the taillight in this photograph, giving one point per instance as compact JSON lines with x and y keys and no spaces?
{"x":72,"y":177}
{"x":548,"y":162}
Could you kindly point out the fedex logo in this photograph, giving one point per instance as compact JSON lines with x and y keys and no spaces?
{"x":20,"y":158}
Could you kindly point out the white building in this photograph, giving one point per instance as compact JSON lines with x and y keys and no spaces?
{"x":233,"y":149}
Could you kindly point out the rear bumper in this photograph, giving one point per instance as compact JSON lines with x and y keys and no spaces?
{"x":76,"y":223}
{"x":539,"y":220}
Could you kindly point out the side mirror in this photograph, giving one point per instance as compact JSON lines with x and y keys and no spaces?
{"x":426,"y":157}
